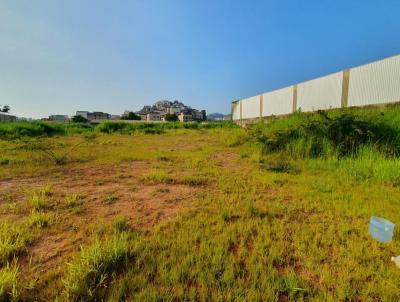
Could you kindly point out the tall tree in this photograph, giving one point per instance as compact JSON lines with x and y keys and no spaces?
{"x":5,"y":109}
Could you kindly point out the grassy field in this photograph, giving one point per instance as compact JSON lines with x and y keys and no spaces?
{"x":275,"y":212}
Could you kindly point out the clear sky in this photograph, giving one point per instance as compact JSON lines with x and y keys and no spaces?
{"x":57,"y":57}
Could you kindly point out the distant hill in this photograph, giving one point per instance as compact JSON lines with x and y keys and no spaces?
{"x":215,"y":116}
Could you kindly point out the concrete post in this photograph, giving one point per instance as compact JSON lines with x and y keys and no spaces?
{"x":294,"y":108}
{"x":345,"y":88}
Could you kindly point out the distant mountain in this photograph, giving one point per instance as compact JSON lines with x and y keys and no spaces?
{"x":215,"y":116}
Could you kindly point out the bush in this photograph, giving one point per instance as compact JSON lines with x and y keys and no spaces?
{"x":319,"y":134}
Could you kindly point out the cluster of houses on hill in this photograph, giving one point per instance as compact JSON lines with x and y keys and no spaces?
{"x":155,"y":113}
{"x":161,"y":109}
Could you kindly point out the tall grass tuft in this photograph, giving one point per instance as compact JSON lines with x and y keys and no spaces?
{"x":9,"y":289}
{"x":38,"y":200}
{"x":13,"y":239}
{"x":89,"y":273}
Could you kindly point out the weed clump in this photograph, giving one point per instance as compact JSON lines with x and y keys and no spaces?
{"x":39,"y":219}
{"x":13,"y":239}
{"x":4,"y":160}
{"x":72,"y":200}
{"x":38,"y":200}
{"x":157,"y":177}
{"x":121,"y":224}
{"x":279,"y":164}
{"x":110,"y":199}
{"x":193,"y":181}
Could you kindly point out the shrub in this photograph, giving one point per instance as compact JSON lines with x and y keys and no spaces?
{"x":88,"y":274}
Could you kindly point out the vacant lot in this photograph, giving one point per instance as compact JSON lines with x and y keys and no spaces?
{"x":192,"y":214}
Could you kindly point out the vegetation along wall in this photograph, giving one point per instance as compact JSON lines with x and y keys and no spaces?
{"x":370,"y":84}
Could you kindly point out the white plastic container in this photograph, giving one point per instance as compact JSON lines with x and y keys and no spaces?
{"x":396,"y":260}
{"x":381,"y":229}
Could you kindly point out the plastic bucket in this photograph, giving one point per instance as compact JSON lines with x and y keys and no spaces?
{"x":381,"y":229}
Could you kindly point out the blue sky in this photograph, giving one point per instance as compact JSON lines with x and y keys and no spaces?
{"x":57,"y":57}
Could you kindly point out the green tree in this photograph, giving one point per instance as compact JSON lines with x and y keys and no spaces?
{"x":5,"y":109}
{"x":131,"y":117}
{"x":79,"y":119}
{"x":170,"y":117}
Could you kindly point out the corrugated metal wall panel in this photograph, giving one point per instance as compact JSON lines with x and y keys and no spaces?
{"x":278,"y":102}
{"x":251,"y":107}
{"x":321,"y":93}
{"x":236,"y":110}
{"x":375,"y":83}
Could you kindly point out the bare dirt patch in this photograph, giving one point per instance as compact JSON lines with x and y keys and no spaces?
{"x":226,"y":159}
{"x":105,"y":192}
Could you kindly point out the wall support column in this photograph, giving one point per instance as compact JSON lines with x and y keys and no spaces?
{"x":240,"y":106}
{"x":261,"y":105}
{"x":345,"y":88}
{"x":294,"y":108}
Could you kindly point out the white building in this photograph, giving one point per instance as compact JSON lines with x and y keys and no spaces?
{"x":7,"y":118}
{"x":153,"y":117}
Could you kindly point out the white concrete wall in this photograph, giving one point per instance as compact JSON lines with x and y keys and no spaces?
{"x":321,"y":93}
{"x":251,"y":107}
{"x":375,"y":83}
{"x":278,"y":102}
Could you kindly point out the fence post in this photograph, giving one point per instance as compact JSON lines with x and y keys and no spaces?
{"x":240,"y":106}
{"x":294,"y":108}
{"x":261,"y":105}
{"x":345,"y":88}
